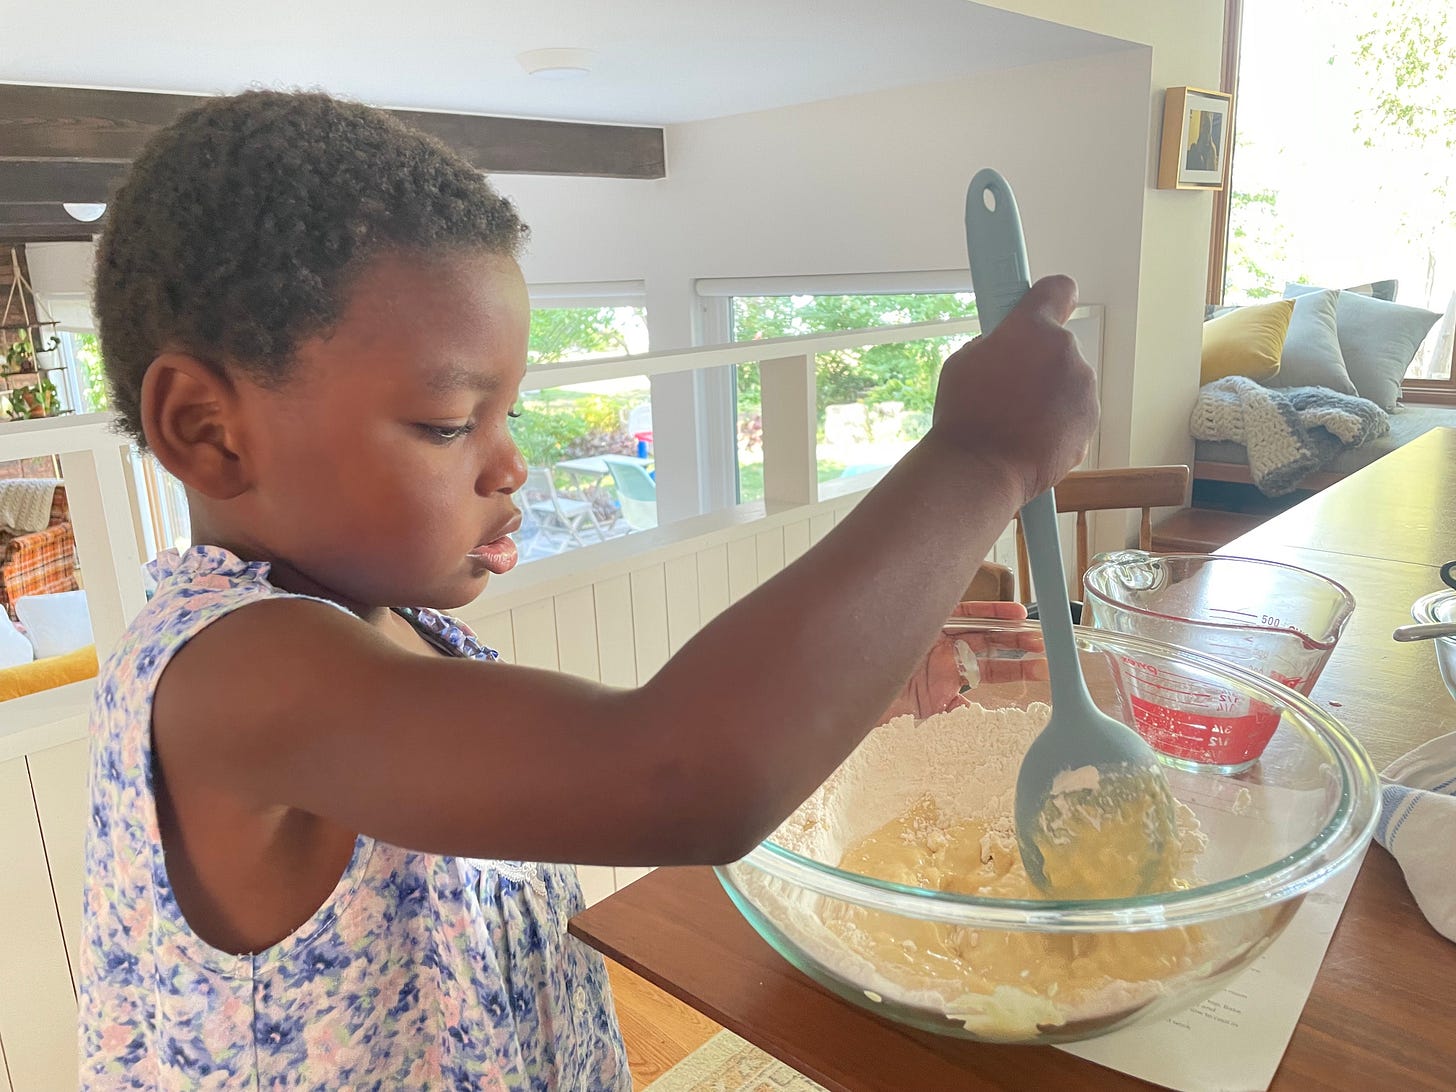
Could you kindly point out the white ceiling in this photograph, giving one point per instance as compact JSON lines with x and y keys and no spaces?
{"x":658,"y":61}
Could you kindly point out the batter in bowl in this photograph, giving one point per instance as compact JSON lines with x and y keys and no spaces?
{"x":928,"y":804}
{"x":928,"y":849}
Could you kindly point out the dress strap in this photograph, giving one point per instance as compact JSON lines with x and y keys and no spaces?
{"x":450,"y":636}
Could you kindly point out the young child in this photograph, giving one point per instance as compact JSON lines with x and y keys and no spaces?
{"x":309,"y":801}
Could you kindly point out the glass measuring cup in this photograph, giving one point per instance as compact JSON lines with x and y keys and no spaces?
{"x":1275,"y":619}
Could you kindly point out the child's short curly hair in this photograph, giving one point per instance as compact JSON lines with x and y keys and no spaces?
{"x":241,"y":225}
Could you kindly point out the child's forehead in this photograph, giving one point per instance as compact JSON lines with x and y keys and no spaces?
{"x":450,"y":324}
{"x":465,"y":299}
{"x":395,"y":285}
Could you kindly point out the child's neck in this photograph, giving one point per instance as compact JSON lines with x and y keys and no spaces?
{"x":282,"y":574}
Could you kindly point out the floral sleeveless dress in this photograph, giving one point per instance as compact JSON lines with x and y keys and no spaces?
{"x":418,"y":972}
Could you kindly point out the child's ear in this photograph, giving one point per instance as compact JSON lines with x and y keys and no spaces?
{"x":189,"y":417}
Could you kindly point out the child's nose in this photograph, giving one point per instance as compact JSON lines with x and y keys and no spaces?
{"x":505,"y":473}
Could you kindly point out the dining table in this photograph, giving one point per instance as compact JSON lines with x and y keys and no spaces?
{"x":1382,"y":1012}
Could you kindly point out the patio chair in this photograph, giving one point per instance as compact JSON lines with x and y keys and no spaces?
{"x":553,"y":513}
{"x":636,"y":491}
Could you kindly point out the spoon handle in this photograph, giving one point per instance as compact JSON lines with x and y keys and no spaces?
{"x":1425,"y":631}
{"x":1044,"y":550}
{"x":1000,"y":275}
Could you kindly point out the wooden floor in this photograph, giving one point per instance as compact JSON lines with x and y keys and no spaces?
{"x":659,"y":1030}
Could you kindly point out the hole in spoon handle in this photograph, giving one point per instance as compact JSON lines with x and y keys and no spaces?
{"x":1000,"y":274}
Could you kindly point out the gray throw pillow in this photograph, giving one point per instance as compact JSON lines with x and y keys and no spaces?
{"x":1381,"y":290}
{"x":1379,"y":340}
{"x":1311,"y":355}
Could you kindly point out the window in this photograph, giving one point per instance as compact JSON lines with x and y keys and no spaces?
{"x":873,"y":403}
{"x":1345,"y":156}
{"x":572,"y":497}
{"x":83,"y":383}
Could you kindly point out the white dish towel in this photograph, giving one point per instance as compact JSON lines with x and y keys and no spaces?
{"x":1418,"y":827}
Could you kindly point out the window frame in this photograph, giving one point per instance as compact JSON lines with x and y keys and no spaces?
{"x":715,"y":309}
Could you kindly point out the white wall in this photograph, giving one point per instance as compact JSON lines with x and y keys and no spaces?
{"x":60,"y":273}
{"x":876,"y":183}
{"x":1186,"y":40}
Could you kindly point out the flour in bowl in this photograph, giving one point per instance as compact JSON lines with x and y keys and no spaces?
{"x":928,"y":804}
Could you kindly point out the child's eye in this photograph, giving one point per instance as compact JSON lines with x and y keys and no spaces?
{"x":444,"y":434}
{"x":514,"y":413}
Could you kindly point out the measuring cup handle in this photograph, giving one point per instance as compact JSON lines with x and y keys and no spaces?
{"x":1448,"y":574}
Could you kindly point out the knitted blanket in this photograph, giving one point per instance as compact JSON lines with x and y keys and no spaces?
{"x":1289,"y":433}
{"x":25,"y":504}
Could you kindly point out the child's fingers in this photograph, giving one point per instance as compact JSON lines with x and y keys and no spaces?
{"x":1009,"y":612}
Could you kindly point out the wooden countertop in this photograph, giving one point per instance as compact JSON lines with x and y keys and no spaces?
{"x":1383,"y":1011}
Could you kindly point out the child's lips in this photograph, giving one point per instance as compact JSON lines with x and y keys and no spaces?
{"x":499,"y":556}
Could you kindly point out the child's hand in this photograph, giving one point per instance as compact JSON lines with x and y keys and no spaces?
{"x":936,"y":684}
{"x":1022,"y":398}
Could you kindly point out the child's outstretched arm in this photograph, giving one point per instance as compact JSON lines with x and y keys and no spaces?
{"x":697,"y":765}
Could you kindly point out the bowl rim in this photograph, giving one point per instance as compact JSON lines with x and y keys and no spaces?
{"x":1424,"y":609}
{"x":1102,"y":560}
{"x":1343,"y":837}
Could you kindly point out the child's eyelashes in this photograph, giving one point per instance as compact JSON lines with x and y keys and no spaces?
{"x":515,"y":413}
{"x":444,"y":434}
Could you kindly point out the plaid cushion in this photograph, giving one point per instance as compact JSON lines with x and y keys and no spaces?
{"x":37,"y":564}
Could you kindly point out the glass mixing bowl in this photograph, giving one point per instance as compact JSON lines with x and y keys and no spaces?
{"x":1027,"y":970}
{"x":1440,"y":607}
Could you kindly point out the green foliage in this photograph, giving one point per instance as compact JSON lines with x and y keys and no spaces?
{"x":92,"y":374}
{"x":750,"y":478}
{"x":565,"y":333}
{"x":881,"y":373}
{"x":563,"y":425}
{"x":21,"y":354}
{"x":1410,"y":60}
{"x":1257,"y":239}
{"x":1407,"y":59}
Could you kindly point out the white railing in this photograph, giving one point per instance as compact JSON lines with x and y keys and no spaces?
{"x":108,"y":505}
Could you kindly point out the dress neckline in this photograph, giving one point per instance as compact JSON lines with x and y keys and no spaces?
{"x":446,"y":634}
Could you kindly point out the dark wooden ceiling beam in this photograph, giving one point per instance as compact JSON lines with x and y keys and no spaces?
{"x":48,"y":233}
{"x":58,"y":125}
{"x":37,"y":222}
{"x":55,"y":180}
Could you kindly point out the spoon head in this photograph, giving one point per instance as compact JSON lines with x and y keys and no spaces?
{"x":1094,"y":815}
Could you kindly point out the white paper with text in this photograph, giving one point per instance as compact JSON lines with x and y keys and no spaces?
{"x":1235,"y":1040}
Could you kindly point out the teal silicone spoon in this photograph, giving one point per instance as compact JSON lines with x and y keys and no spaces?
{"x":1090,"y":787}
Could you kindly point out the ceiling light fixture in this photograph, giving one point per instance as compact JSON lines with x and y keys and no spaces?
{"x":83,"y":211}
{"x":557,"y":64}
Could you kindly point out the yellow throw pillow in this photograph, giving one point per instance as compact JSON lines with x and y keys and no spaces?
{"x":16,"y":682}
{"x":1246,"y":342}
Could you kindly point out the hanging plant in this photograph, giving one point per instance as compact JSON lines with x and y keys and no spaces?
{"x":20,"y":356}
{"x":40,"y":400}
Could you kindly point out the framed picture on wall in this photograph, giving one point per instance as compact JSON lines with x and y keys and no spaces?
{"x":1197,"y":135}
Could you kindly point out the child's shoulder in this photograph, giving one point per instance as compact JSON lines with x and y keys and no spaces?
{"x":193,"y":589}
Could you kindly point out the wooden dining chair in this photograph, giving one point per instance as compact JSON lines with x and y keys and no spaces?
{"x":1145,"y":487}
{"x":992,"y":583}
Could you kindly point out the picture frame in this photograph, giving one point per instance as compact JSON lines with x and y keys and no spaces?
{"x":1196,"y":140}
